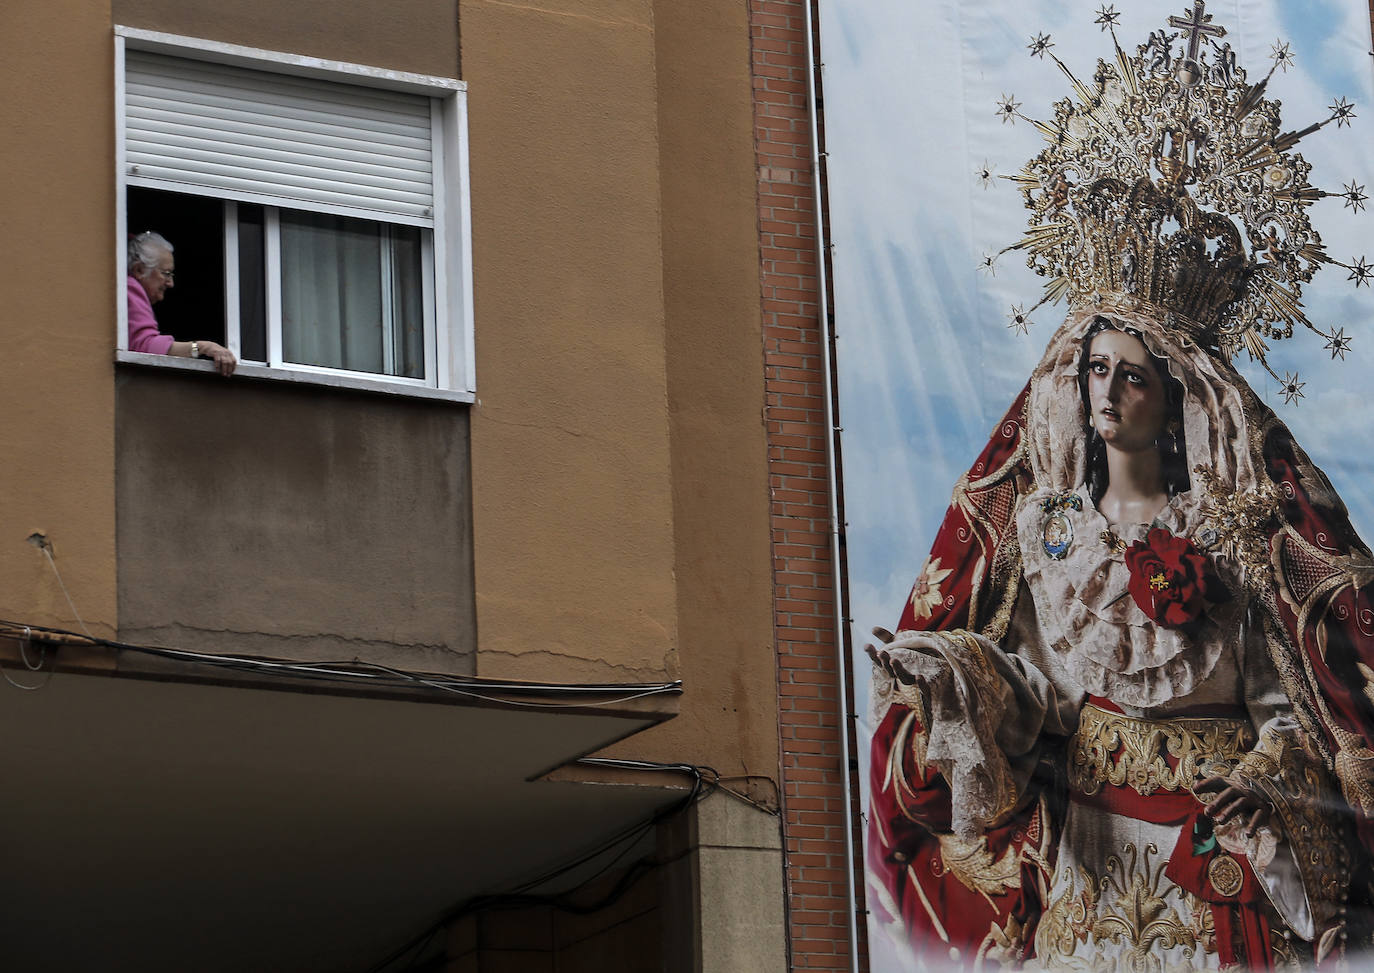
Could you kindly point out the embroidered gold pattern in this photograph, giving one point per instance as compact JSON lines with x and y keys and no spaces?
{"x":1236,"y":522}
{"x":1005,"y":946}
{"x":976,"y":868}
{"x":1225,"y":875}
{"x":1302,"y":794}
{"x":1131,"y":908}
{"x":1150,"y":755}
{"x":925,"y":594}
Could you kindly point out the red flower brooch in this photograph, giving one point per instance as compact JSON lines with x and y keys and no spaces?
{"x":1171,"y":580}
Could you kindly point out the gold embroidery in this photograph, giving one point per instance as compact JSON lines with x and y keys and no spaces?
{"x":1235,"y":523}
{"x":1225,"y":875}
{"x":925,"y":594}
{"x":1004,"y":945}
{"x":975,"y":867}
{"x":1109,"y":748}
{"x":1302,"y":795}
{"x":1129,"y":908}
{"x":911,"y":734}
{"x":1069,"y":919}
{"x":1006,"y":573}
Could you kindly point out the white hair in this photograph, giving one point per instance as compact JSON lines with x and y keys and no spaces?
{"x":146,"y":247}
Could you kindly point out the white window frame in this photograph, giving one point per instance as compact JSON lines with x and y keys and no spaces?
{"x":447,"y":263}
{"x":273,"y":289}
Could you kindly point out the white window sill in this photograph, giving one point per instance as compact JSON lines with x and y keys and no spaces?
{"x":359,"y":383}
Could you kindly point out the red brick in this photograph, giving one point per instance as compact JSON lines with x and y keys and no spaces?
{"x":813,"y":781}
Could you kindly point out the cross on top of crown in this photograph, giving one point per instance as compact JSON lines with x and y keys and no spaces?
{"x":1197,"y":22}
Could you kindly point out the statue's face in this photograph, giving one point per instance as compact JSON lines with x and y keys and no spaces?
{"x":1125,"y":392}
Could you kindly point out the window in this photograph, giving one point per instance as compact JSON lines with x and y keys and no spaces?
{"x":319,"y":211}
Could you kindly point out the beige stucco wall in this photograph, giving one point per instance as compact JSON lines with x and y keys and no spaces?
{"x":619,"y":481}
{"x":406,"y":35}
{"x":57,"y":277}
{"x":572,"y":493}
{"x":261,"y":518}
{"x":723,"y":560}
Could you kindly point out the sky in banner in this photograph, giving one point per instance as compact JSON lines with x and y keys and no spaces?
{"x":927,"y":363}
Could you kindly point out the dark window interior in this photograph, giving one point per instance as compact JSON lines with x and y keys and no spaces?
{"x":194,"y":308}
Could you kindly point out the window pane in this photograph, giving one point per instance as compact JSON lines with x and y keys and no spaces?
{"x":407,"y":302}
{"x":252,"y":289}
{"x":350,"y":296}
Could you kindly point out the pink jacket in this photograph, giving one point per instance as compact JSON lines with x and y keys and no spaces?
{"x":143,"y":331}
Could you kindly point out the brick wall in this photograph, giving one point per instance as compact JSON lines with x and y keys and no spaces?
{"x":813,"y":777}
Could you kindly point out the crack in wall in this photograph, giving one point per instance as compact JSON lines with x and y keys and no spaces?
{"x":568,"y":14}
{"x":642,"y":673}
{"x":294,"y":637}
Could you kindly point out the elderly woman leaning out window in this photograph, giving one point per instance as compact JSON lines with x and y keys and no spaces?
{"x":151,"y":274}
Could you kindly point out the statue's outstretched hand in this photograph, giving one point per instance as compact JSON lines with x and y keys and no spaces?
{"x":889,"y":662}
{"x":896,"y":659}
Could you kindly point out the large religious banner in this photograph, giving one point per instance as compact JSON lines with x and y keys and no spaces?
{"x":1105,"y":338}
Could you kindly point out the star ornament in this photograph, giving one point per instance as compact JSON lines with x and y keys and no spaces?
{"x":1007,"y":109}
{"x":1291,"y":387}
{"x":985,"y":174}
{"x":1339,"y":344}
{"x":1360,"y":272}
{"x":1354,"y":196}
{"x":1017,"y":319}
{"x":1108,"y":16}
{"x":1039,"y":44}
{"x":1342,"y":111}
{"x":1282,"y":55}
{"x":987,"y":263}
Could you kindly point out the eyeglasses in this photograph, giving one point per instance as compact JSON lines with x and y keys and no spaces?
{"x":168,"y":275}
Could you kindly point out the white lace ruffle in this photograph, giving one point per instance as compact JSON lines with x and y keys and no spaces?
{"x":966,"y":705}
{"x":1094,"y":626}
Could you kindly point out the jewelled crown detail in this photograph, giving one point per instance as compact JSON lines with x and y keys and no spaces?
{"x":1167,"y":184}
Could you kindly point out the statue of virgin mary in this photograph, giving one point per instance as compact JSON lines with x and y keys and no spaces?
{"x":1124,"y":721}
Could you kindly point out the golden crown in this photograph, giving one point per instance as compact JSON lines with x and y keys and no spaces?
{"x":1168,"y":184}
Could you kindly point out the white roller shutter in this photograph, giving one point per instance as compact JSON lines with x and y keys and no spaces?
{"x":215,"y":129}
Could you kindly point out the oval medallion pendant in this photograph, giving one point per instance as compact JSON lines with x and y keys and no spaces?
{"x":1056,"y":533}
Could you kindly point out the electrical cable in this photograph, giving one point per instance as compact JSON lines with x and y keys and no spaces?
{"x":471,"y":688}
{"x":24,"y":655}
{"x":378,"y":674}
{"x":715,"y":780}
{"x":47,"y":551}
